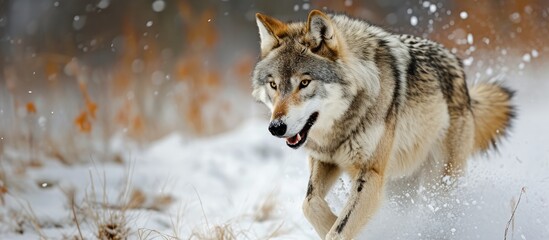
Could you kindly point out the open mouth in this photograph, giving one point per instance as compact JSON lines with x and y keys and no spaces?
{"x":300,"y":138}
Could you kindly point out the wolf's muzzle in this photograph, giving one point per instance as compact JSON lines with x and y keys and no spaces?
{"x":277,"y":128}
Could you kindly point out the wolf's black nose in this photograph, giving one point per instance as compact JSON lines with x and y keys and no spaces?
{"x":277,"y":128}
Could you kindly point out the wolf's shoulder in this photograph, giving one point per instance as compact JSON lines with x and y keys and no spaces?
{"x":361,"y":34}
{"x":422,"y":46}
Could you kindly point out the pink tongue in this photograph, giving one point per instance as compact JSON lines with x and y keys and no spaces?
{"x":293,"y":140}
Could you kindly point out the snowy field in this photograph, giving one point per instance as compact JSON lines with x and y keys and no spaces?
{"x":249,"y":185}
{"x":242,"y":183}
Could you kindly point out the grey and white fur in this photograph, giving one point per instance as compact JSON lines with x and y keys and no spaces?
{"x":376,"y":105}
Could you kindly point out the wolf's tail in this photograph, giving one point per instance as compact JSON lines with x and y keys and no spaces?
{"x":492,"y":113}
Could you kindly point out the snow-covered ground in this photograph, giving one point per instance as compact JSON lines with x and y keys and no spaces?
{"x":230,"y":180}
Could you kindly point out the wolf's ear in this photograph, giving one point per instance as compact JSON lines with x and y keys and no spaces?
{"x":269,"y":31}
{"x":322,"y":31}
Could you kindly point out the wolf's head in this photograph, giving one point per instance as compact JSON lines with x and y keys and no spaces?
{"x":299,"y":76}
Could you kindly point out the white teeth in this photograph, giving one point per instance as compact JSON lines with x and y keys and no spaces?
{"x":294,"y":140}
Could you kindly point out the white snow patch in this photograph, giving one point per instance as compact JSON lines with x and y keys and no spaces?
{"x":78,"y":22}
{"x":468,"y":61}
{"x":526,"y":57}
{"x":535,"y":53}
{"x":413,"y":20}
{"x":103,"y":4}
{"x":158,"y":5}
{"x":515,"y":17}
{"x":463,"y":15}
{"x":489,"y":71}
{"x":348,"y":3}
{"x":231,"y":173}
{"x":432,"y":8}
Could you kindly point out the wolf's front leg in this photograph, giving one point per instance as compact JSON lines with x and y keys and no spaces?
{"x":315,"y":208}
{"x":363,"y":202}
{"x":368,"y":184}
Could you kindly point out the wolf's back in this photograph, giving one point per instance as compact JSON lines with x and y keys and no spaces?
{"x":493,"y":113}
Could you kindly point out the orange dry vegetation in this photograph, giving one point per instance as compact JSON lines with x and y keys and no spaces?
{"x":82,"y":121}
{"x":125,"y":80}
{"x":131,"y":95}
{"x":51,"y":68}
{"x":203,"y":80}
{"x":129,"y":118}
{"x":31,"y":108}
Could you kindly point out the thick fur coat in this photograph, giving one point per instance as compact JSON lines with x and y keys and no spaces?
{"x":374,"y":104}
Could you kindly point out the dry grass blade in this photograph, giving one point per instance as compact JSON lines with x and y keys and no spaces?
{"x":230,"y":230}
{"x":30,"y":216}
{"x":177,"y":224}
{"x":218,"y":232}
{"x":146,"y":234}
{"x":202,"y":207}
{"x":512,"y":219}
{"x":3,"y":179}
{"x":111,"y":224}
{"x":71,"y":194}
{"x":277,"y":232}
{"x":266,"y":209}
{"x":113,"y":230}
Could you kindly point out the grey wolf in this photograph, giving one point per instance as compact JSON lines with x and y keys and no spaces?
{"x":376,"y":105}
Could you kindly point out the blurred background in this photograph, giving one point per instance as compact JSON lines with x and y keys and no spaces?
{"x":162,"y":89}
{"x":74,"y":74}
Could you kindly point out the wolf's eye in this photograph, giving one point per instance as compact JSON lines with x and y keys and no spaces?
{"x":273,"y":85}
{"x":304,"y":83}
